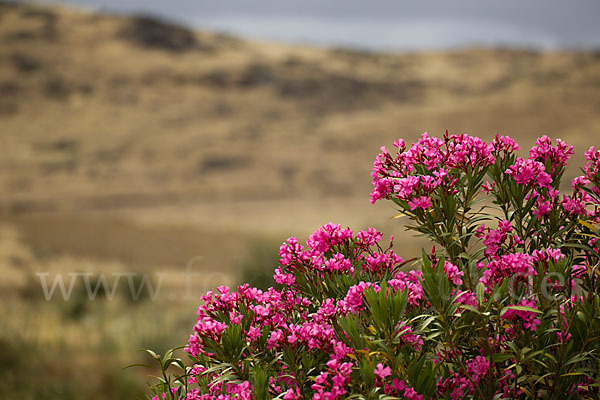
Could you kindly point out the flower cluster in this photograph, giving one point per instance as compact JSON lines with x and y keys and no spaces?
{"x":557,"y":157}
{"x":505,"y":304}
{"x":416,"y":173}
{"x":528,"y":317}
{"x":530,"y":172}
{"x":514,"y":265}
{"x":460,"y":385}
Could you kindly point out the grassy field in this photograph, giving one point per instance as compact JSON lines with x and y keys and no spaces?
{"x":130,"y":145}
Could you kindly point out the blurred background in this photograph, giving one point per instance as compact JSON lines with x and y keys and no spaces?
{"x":165,"y":148}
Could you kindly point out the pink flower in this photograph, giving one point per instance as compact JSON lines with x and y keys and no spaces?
{"x":338,"y":263}
{"x":410,"y":281}
{"x":573,"y":205}
{"x":504,"y":145}
{"x":412,"y":394}
{"x":284,"y":279}
{"x":579,"y":181}
{"x":453,"y":273}
{"x":558,"y":156}
{"x":530,"y":172}
{"x":515,"y":265}
{"x":528,"y":318}
{"x":542,"y":209}
{"x":407,"y":336}
{"x":494,"y":238}
{"x":253,"y":333}
{"x":477,"y":368}
{"x":554,"y":255}
{"x":291,"y":395}
{"x":406,"y":186}
{"x":488,"y":187}
{"x":353,"y":302}
{"x":398,"y":385}
{"x":382,"y":372}
{"x":370,"y":237}
{"x":395,"y":175}
{"x":468,"y":298}
{"x":423,"y":202}
{"x":274,"y":339}
{"x":505,"y":226}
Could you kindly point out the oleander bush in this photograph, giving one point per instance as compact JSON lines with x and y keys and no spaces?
{"x":505,"y":305}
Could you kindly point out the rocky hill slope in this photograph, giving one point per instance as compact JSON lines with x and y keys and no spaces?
{"x":100,"y":111}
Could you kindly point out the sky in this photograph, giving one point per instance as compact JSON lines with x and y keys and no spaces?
{"x":386,"y":24}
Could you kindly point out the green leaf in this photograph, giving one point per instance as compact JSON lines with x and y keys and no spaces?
{"x":500,"y":357}
{"x":136,"y":365}
{"x":153,"y":354}
{"x":519,"y":308}
{"x":480,"y":291}
{"x":470,"y":308}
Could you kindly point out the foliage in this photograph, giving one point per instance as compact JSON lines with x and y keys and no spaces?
{"x":504,"y":306}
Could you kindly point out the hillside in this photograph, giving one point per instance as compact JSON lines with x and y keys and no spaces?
{"x":104,"y":112}
{"x":131,"y":145}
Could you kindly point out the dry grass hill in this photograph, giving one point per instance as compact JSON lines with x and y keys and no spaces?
{"x":131,"y":144}
{"x":100,"y":112}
